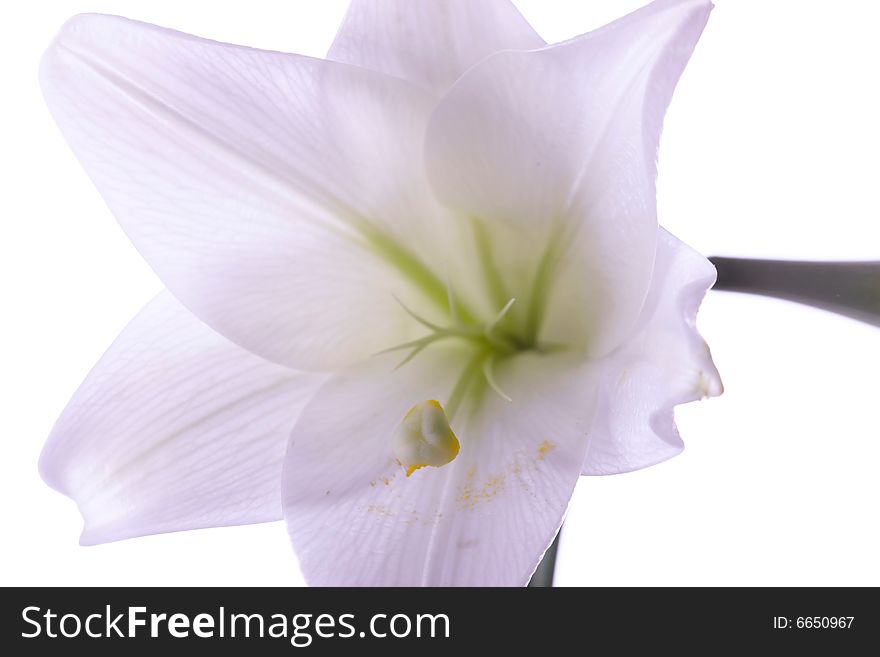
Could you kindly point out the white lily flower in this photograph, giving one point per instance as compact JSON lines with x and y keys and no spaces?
{"x":425,"y":276}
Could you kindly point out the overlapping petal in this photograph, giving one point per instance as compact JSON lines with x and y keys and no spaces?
{"x":256,"y":184}
{"x":665,"y":364}
{"x":175,"y":428}
{"x":427,"y":42}
{"x":486,"y":518}
{"x":566,"y":137}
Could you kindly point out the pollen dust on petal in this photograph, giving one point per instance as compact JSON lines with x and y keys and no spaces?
{"x":544,"y":449}
{"x":475,"y":491}
{"x":431,"y":521}
{"x":396,"y":505}
{"x":388,"y":476}
{"x":379,"y":510}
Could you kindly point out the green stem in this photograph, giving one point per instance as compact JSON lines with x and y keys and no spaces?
{"x":846,"y":288}
{"x":543,"y":576}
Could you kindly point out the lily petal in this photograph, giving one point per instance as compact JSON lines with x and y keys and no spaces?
{"x":255,"y":183}
{"x":486,"y":518}
{"x":667,"y":363}
{"x":175,"y":428}
{"x":427,"y":42}
{"x":567,"y":136}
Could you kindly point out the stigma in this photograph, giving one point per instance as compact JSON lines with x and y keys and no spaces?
{"x":424,"y":438}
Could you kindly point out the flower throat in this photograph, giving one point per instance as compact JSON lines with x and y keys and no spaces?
{"x":490,"y":341}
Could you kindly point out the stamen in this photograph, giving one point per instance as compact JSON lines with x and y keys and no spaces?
{"x":415,"y":352}
{"x":490,"y":379}
{"x":417,"y":347}
{"x":407,"y":345}
{"x":419,"y":318}
{"x":491,"y":326}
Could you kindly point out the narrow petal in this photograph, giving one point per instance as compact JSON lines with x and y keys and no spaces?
{"x":666,"y":364}
{"x":256,"y":184}
{"x":175,"y":428}
{"x":566,"y":137}
{"x":486,"y":518}
{"x":427,"y":42}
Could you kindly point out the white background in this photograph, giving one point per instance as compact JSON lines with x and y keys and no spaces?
{"x":771,"y":149}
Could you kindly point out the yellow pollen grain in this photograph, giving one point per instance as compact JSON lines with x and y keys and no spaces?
{"x":545,"y":448}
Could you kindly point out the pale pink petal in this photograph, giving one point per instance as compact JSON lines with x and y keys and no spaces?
{"x":667,"y":363}
{"x":253,"y":182}
{"x":175,"y":428}
{"x":428,"y":42}
{"x":486,"y":518}
{"x":566,"y":138}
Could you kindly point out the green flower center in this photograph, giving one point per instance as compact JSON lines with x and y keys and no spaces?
{"x":512,"y":325}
